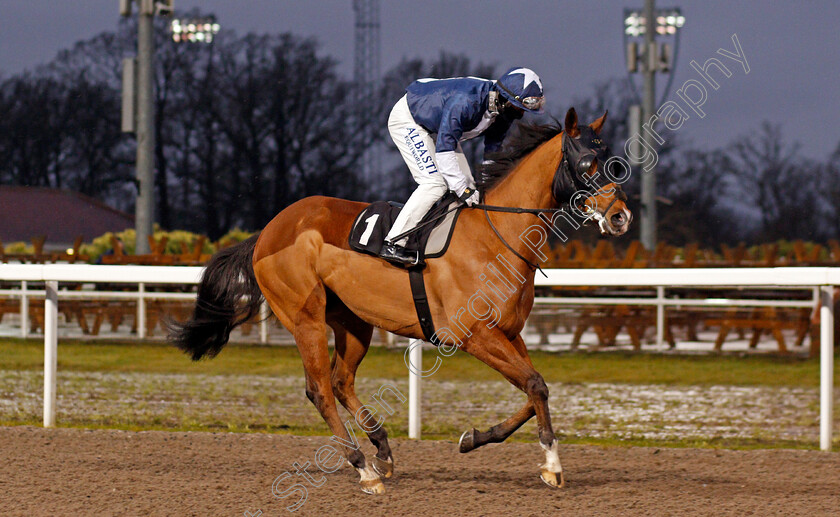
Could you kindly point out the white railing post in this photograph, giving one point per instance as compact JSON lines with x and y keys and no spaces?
{"x":826,"y":366}
{"x":415,"y":357}
{"x":264,"y":322}
{"x":141,"y":310}
{"x":660,"y":316}
{"x":50,"y":350}
{"x":24,"y":310}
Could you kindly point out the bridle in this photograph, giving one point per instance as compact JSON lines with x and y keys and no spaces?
{"x":567,"y":175}
{"x":579,"y":153}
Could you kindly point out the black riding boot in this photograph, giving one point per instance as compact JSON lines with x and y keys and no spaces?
{"x":393,"y":253}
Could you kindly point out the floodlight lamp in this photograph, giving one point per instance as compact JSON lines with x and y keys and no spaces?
{"x":194,"y":30}
{"x":667,"y":22}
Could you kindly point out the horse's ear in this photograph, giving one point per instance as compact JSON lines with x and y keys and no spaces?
{"x":598,"y":125}
{"x":571,"y":124}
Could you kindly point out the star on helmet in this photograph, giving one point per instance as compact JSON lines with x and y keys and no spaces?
{"x":529,"y":77}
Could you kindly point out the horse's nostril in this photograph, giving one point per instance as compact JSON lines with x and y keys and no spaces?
{"x":617,"y":219}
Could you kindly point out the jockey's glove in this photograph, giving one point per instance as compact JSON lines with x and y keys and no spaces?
{"x":469,"y":196}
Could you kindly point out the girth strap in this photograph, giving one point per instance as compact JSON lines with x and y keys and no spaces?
{"x":421,"y":304}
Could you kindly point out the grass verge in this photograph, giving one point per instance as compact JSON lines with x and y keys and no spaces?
{"x":272,"y":362}
{"x":580,"y":367}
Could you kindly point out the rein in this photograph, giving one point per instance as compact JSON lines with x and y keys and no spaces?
{"x":421,"y":225}
{"x":535,"y":211}
{"x":600,"y":216}
{"x":487,"y":209}
{"x":517,"y":210}
{"x":514,"y":210}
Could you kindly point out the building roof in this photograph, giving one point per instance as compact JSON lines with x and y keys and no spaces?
{"x":61,"y":215}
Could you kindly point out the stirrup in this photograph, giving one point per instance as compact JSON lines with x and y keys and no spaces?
{"x":400,"y":255}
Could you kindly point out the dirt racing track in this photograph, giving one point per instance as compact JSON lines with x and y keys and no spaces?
{"x":102,"y":472}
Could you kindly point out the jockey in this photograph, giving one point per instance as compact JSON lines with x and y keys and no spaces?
{"x":428,"y":123}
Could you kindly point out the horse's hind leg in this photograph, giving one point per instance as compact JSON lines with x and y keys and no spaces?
{"x":310,"y":332}
{"x":473,"y":439}
{"x":352,"y":339}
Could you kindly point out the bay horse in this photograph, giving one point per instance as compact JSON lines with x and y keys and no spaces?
{"x":302,"y":264}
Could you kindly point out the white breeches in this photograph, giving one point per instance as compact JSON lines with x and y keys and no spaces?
{"x":417,"y":147}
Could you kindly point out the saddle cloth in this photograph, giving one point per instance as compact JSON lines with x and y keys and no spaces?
{"x":374,"y":222}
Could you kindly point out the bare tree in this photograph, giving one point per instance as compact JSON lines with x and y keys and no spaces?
{"x":317,"y":129}
{"x":830,"y":194}
{"x":782,"y":185}
{"x":699,"y":191}
{"x":98,"y":160}
{"x":33,"y":131}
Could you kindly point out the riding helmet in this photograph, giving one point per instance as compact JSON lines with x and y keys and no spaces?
{"x":522,"y":87}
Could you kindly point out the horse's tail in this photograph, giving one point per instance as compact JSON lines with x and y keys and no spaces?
{"x":228,"y":295}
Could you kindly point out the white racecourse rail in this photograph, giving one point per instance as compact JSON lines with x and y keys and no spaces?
{"x":822,"y":279}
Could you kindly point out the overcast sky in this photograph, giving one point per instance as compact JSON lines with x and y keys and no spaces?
{"x":793,"y":49}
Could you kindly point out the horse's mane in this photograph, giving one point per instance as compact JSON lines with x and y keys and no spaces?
{"x":522,"y":141}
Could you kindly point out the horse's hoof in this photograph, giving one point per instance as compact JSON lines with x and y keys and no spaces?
{"x":467,"y":441}
{"x":550,"y":478}
{"x":384,"y":468}
{"x":372,"y":486}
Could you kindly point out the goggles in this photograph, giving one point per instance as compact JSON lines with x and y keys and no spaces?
{"x":533,"y":103}
{"x":530,"y":103}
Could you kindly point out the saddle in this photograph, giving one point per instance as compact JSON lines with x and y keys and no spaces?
{"x":430,"y":240}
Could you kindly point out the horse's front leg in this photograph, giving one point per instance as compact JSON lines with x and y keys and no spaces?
{"x":510,"y":358}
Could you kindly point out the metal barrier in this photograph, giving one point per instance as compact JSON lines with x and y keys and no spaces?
{"x":822,"y":278}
